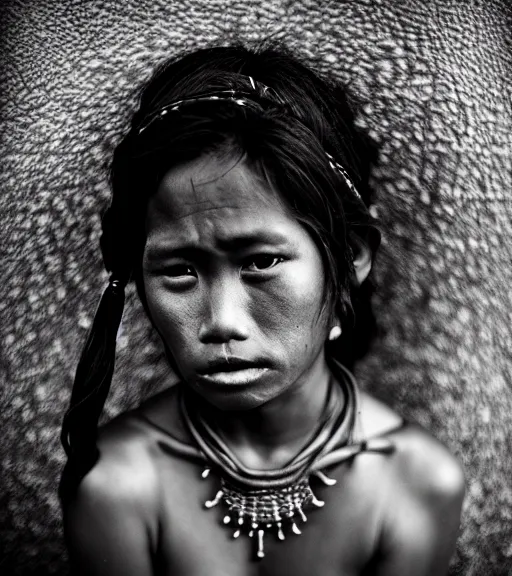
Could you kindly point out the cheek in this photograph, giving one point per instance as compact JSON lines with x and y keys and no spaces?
{"x":172,"y":316}
{"x":284,"y":316}
{"x":291,"y":312}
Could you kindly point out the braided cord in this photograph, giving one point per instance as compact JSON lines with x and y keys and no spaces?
{"x":319,"y":454}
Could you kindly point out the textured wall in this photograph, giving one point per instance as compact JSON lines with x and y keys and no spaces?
{"x":432,"y":83}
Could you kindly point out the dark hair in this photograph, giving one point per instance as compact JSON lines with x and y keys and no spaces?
{"x":284,"y":137}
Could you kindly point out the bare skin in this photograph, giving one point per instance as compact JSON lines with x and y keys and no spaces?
{"x":229,"y":273}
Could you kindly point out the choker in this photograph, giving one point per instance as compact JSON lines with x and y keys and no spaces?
{"x":275,"y":502}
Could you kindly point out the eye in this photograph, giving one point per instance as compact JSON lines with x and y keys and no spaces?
{"x":179,"y":271}
{"x":262,"y":262}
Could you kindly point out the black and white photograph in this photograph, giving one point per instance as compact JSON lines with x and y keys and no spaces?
{"x":256,"y":288}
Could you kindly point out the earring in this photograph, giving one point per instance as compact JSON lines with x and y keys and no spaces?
{"x":335,"y":333}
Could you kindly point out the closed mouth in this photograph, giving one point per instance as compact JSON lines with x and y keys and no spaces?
{"x":231,"y":364}
{"x":232,"y":371}
{"x":237,"y":377}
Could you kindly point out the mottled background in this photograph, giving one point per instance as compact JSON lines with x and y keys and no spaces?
{"x":432,"y":83}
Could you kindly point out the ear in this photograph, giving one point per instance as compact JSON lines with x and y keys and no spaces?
{"x":363,"y":258}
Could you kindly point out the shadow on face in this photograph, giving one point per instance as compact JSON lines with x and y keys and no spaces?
{"x":234,"y":284}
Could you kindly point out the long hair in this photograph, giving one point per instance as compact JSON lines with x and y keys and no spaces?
{"x":286,"y":137}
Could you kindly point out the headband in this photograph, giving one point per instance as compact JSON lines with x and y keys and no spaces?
{"x":243,"y":97}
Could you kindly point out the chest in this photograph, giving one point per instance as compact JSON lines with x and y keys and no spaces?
{"x":336,"y":539}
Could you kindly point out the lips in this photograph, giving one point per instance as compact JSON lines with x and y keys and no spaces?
{"x":231,"y":364}
{"x":231,"y":371}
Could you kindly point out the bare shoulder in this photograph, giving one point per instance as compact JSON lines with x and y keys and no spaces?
{"x":421,"y":487}
{"x":124,"y":479}
{"x":130,"y":458}
{"x":421,"y":461}
{"x":422,"y":516}
{"x":111,"y":519}
{"x":429,"y":470}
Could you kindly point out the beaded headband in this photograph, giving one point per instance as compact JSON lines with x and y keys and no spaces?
{"x":245,"y":98}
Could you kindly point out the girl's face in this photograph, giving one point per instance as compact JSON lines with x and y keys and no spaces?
{"x":234,"y":284}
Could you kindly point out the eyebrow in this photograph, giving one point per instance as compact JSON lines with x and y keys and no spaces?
{"x":247,"y":240}
{"x":236,"y":243}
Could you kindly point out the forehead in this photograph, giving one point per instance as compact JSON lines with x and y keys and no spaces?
{"x":211,"y":183}
{"x":219,"y":198}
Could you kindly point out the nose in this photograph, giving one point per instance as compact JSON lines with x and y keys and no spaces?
{"x":225,"y":316}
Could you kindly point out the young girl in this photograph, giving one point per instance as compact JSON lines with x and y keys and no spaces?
{"x":239,"y":209}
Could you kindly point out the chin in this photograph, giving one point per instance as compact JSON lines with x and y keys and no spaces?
{"x":233,"y":400}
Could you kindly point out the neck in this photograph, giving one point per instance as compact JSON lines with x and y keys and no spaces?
{"x":268,"y":436}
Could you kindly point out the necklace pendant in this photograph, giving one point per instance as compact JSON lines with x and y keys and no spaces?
{"x":268,"y":511}
{"x":260,"y":553}
{"x":280,"y":533}
{"x":215,"y":501}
